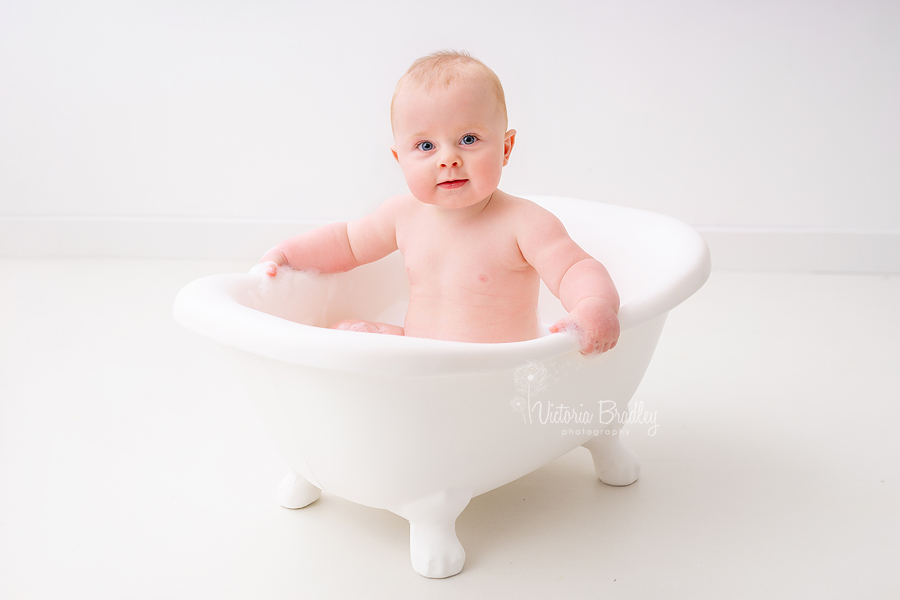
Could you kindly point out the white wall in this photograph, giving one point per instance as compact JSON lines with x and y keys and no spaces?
{"x":746,"y":119}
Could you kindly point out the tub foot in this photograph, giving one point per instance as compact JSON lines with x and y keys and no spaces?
{"x":296,"y":492}
{"x":614,"y":462}
{"x":434,"y":549}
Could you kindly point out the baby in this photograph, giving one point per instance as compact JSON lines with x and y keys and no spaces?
{"x":474,"y":255}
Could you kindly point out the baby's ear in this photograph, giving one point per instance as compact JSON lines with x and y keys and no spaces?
{"x":394,"y":152}
{"x":508,"y":144}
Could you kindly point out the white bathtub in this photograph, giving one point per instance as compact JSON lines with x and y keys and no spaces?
{"x":418,"y":426}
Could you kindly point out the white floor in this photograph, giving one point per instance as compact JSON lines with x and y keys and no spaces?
{"x":131,"y":468}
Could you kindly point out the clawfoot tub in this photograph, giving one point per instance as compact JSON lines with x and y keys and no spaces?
{"x":419,"y":426}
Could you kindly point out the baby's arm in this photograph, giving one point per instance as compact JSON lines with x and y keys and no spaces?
{"x":338,"y":247}
{"x":587,"y":292}
{"x":582,"y":284}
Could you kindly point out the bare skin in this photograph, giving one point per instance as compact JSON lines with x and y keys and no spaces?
{"x":474,"y":254}
{"x":474,"y":274}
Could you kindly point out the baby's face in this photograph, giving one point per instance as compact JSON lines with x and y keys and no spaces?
{"x":451,"y":143}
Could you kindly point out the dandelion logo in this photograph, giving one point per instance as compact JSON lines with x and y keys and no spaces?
{"x":518,"y":404}
{"x":530,"y":380}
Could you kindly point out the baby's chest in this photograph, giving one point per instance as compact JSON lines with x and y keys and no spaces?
{"x":463,"y":263}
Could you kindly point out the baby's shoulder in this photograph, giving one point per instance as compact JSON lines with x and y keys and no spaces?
{"x":401,"y":202}
{"x":396,"y":208}
{"x":526,"y":212}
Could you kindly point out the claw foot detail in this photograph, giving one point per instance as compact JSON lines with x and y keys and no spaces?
{"x":614,"y":462}
{"x":296,"y":492}
{"x":435,"y":550}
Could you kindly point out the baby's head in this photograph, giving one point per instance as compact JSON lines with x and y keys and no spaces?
{"x":442,"y":69}
{"x":449,"y":121}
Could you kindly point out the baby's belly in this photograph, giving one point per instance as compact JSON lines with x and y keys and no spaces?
{"x":476,"y":321}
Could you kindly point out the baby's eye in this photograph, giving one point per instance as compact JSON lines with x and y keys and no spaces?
{"x":425,"y":146}
{"x":468,"y":139}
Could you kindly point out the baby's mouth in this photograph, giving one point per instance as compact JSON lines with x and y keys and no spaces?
{"x":452,"y":184}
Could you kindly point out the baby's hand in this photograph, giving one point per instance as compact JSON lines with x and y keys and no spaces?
{"x":269,"y":263}
{"x":596,"y":325}
{"x":269,"y":267}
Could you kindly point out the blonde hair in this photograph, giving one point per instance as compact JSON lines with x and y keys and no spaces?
{"x":444,"y":68}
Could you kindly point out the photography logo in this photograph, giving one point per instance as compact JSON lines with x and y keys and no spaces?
{"x":532,"y":378}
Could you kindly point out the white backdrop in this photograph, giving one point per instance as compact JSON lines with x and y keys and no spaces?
{"x":753,"y":121}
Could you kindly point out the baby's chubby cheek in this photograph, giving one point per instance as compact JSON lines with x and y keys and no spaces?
{"x":419,"y":185}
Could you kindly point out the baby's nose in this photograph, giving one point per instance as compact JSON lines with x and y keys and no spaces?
{"x":450,"y":160}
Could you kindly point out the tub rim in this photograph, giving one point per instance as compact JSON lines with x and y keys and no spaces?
{"x":210,"y":307}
